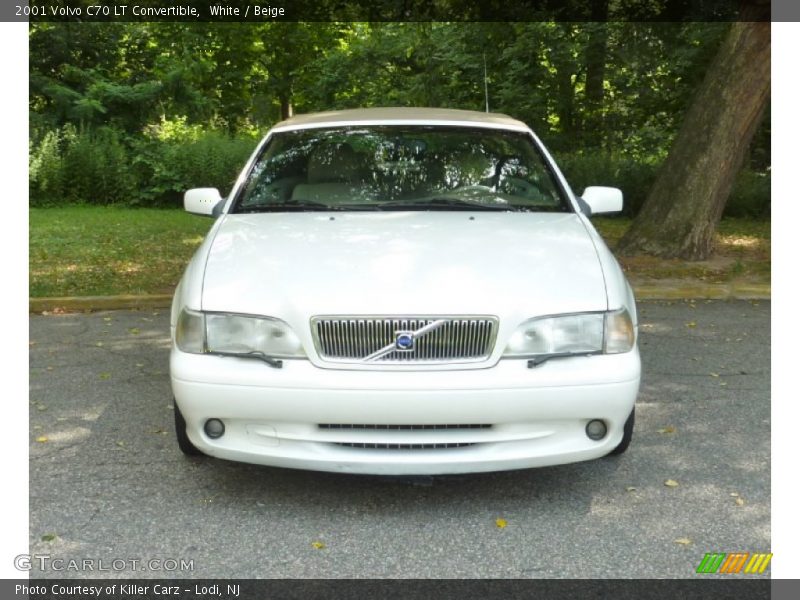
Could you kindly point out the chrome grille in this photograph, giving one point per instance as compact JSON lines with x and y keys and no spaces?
{"x":353,"y":339}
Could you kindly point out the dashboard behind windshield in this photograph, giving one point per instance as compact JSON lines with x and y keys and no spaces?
{"x":400,"y":168}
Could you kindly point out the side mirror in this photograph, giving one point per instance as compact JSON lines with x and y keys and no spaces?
{"x":600,"y":199}
{"x":201,"y":201}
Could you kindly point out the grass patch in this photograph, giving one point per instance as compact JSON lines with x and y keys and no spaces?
{"x":741,"y":253}
{"x":93,"y":250}
{"x":106,"y":250}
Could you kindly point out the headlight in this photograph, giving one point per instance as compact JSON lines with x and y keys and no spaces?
{"x":558,"y":335}
{"x":584,"y":333}
{"x":236,"y":334}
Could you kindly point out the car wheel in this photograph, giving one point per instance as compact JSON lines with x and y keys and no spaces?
{"x":627,"y":436}
{"x":184,"y":443}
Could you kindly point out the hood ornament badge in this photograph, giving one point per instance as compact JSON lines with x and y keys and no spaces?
{"x":404,"y":341}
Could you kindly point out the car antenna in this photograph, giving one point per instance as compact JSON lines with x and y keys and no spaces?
{"x":485,"y":83}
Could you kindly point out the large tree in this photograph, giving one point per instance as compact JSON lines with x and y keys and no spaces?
{"x":681,"y":213}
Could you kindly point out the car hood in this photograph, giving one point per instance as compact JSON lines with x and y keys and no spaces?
{"x":297,"y":265}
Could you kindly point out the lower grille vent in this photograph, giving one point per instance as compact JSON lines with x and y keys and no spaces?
{"x":372,"y":446}
{"x":359,"y":427}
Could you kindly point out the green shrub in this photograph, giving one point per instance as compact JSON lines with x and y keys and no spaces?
{"x":106,"y":167}
{"x":632,"y":177}
{"x":750,"y":196}
{"x":68,"y":167}
{"x":170,"y":167}
{"x":45,"y":170}
{"x":97,"y":169}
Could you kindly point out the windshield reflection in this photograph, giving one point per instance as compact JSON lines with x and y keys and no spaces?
{"x":400,"y":168}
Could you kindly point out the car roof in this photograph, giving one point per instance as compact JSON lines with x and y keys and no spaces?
{"x":401,"y":115}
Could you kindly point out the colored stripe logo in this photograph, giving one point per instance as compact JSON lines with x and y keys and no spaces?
{"x":734,"y":562}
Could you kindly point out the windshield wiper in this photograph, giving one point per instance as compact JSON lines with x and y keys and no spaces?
{"x":301,"y":206}
{"x":542,"y":358}
{"x":443,"y":203}
{"x":288,"y":205}
{"x":272,"y":362}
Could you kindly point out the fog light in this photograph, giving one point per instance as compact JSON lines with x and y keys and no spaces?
{"x":595,"y":429}
{"x":214,"y":428}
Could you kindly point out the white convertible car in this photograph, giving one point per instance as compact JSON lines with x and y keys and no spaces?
{"x":403,"y":291}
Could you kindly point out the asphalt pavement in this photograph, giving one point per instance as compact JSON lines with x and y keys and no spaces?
{"x":108,"y":484}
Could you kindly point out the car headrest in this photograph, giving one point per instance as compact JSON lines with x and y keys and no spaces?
{"x":334,"y":163}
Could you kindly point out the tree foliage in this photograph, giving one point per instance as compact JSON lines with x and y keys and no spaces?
{"x":614,"y":85}
{"x":602,"y":92}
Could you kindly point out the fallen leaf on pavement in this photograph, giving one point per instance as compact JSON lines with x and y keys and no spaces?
{"x":683,"y":541}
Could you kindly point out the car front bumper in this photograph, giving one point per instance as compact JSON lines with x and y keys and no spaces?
{"x":504,"y":417}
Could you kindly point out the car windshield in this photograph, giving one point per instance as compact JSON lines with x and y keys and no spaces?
{"x":400,"y":168}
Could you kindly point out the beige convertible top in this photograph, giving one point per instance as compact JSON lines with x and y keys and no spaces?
{"x":375,"y":116}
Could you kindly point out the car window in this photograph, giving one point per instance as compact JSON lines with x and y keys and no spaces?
{"x":401,"y":168}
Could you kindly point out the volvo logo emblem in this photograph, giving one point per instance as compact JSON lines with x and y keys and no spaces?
{"x":404,"y":341}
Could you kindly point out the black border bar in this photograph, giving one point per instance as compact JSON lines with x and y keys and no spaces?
{"x":740,"y":587}
{"x":398,"y":10}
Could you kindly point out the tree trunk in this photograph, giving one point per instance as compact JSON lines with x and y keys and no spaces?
{"x":596,"y":49}
{"x":286,"y":107}
{"x":566,"y":101}
{"x":683,"y":209}
{"x":560,"y":57}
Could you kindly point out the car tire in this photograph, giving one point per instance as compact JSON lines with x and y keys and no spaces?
{"x":184,"y":443}
{"x":627,"y":436}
